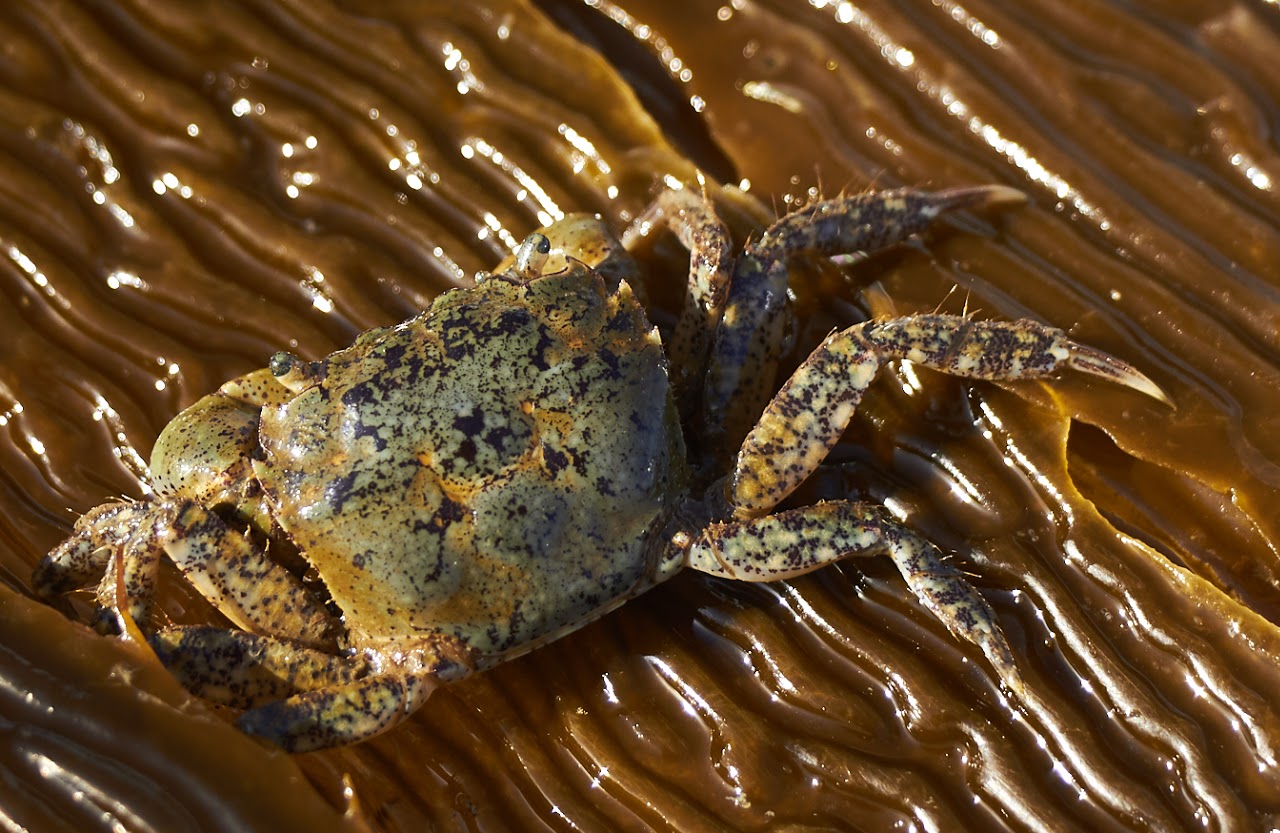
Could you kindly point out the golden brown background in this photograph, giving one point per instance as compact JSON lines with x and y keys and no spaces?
{"x":186,"y":188}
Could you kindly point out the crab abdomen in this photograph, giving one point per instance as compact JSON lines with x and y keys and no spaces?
{"x":489,"y":470}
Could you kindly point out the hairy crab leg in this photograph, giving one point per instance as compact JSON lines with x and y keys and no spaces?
{"x":692,"y":218}
{"x":350,"y":712}
{"x":338,"y":714}
{"x":799,"y":541}
{"x":84,"y":556}
{"x":751,"y":335}
{"x":132,"y":570}
{"x":221,"y":563}
{"x":242,"y":670}
{"x":807,"y":416}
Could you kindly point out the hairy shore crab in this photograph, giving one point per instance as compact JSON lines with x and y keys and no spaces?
{"x":520,"y":459}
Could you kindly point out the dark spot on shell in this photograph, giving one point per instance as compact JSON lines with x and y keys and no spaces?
{"x":555,"y":461}
{"x":393,"y":355}
{"x":470,"y":424}
{"x":339,"y":491}
{"x":357,"y":395}
{"x":451,"y":510}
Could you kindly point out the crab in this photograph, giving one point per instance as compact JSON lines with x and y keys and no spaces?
{"x":522,"y":458}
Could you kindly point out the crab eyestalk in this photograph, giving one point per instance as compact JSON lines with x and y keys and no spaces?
{"x":293,"y":372}
{"x":531,"y":257}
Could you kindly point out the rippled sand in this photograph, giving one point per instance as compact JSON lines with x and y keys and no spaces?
{"x":184,"y":191}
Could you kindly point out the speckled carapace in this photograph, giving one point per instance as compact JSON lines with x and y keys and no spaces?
{"x":522,"y":458}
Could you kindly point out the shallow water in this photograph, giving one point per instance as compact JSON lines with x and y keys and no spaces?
{"x":183,"y":192}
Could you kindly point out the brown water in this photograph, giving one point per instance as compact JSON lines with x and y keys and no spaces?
{"x":184,"y":191}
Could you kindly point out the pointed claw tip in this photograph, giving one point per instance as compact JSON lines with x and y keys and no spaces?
{"x":1013,"y":683}
{"x":1000,"y":196}
{"x":1097,"y":363}
{"x":1142,"y":384}
{"x":997,"y":651}
{"x":982,"y":197}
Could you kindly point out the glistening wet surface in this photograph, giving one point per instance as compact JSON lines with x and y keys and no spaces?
{"x":185,"y":190}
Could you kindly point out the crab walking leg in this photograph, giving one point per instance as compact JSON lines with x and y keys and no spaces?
{"x":692,"y":218}
{"x":132,"y":569}
{"x":751,"y":337}
{"x":807,"y":416}
{"x":353,"y":711}
{"x":85,"y":555}
{"x":339,"y":714}
{"x":243,"y":670}
{"x":112,"y":542}
{"x":239,"y":579}
{"x":799,"y":541}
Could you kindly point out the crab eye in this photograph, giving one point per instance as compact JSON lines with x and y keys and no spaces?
{"x":293,"y":372}
{"x":281,"y":363}
{"x":531,"y":256}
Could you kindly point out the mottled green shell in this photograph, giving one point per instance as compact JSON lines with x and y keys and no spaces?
{"x":490,"y":469}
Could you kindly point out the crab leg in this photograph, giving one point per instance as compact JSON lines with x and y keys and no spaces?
{"x":808,"y":415}
{"x":751,"y":335}
{"x":138,"y":560}
{"x":241,"y":669}
{"x":349,"y":712}
{"x":692,"y":218}
{"x":338,"y":714}
{"x":798,"y":541}
{"x":111,"y":542}
{"x":310,"y":699}
{"x":85,"y":555}
{"x":237,"y":577}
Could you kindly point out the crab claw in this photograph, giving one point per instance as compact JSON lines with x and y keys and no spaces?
{"x":1097,"y":363}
